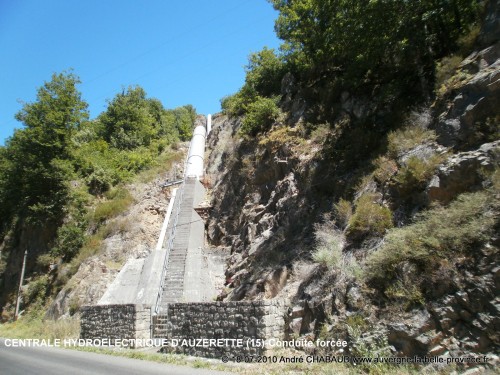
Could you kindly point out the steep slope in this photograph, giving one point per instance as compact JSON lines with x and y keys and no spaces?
{"x":133,"y":235}
{"x":387,"y":238}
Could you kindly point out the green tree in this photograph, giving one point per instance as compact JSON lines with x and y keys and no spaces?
{"x":184,"y":118}
{"x":37,"y":159}
{"x":132,"y":120}
{"x":374,"y":39}
{"x":260,"y":115}
{"x":128,"y":122}
{"x":264,"y":72}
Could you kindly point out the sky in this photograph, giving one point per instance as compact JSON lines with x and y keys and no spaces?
{"x":180,"y":51}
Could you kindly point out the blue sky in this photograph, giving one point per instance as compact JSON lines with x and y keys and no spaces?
{"x":181,"y":52}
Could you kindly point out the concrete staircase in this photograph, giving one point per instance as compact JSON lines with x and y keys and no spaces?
{"x":173,"y":286}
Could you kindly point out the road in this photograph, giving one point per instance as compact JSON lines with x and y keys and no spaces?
{"x":58,"y":361}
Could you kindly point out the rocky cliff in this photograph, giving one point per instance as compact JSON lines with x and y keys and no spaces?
{"x":280,"y":198}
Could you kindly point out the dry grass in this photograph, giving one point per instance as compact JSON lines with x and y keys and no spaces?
{"x":403,"y":140}
{"x":34,"y":327}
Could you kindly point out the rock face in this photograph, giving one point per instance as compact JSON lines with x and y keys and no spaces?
{"x":475,"y":102}
{"x":268,"y":195}
{"x":463,"y":172}
{"x":490,"y":31}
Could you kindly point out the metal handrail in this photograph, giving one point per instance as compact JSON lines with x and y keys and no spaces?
{"x":171,"y":238}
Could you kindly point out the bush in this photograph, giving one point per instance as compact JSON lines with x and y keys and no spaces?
{"x":407,"y":294}
{"x":403,"y":140}
{"x":260,"y":115}
{"x":343,"y":210}
{"x":35,"y":292}
{"x":264,"y":72}
{"x":417,"y":172}
{"x":369,"y":218}
{"x":119,"y":200}
{"x":385,"y":168}
{"x":236,"y":104}
{"x":282,"y":137}
{"x":445,"y":69}
{"x":442,"y":233}
{"x":329,"y":245}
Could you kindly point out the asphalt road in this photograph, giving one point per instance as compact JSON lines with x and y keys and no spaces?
{"x":57,"y":361}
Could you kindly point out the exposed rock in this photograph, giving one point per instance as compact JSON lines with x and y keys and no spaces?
{"x":292,"y":103}
{"x":463,"y":172}
{"x":475,"y":102}
{"x":357,"y":107}
{"x":266,"y":214}
{"x":490,"y":30}
{"x":140,"y":227}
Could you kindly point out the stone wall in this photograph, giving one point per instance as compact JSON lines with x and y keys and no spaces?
{"x":245,"y":320}
{"x":115,"y":322}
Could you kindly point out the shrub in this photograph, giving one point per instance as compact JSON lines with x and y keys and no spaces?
{"x":261,"y":114}
{"x":119,"y":200}
{"x":74,"y":305}
{"x":467,"y":41}
{"x":407,"y":294}
{"x":446,"y":68}
{"x":417,"y":172}
{"x":385,"y":168}
{"x":282,"y":136}
{"x":343,"y":210}
{"x":236,"y":104}
{"x":35,"y":292}
{"x":3,"y":266}
{"x":329,"y":245}
{"x":70,"y":238}
{"x":403,"y":140}
{"x":264,"y":72}
{"x":115,"y":226}
{"x":320,"y":133}
{"x":91,"y":246}
{"x":439,"y":233}
{"x":369,"y":218}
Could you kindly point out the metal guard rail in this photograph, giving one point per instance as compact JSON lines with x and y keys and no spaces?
{"x":171,"y":238}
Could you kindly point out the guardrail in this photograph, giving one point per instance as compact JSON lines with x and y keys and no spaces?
{"x":171,"y":237}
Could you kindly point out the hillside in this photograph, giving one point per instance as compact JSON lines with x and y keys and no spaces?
{"x":380,"y":226}
{"x":355,"y":174}
{"x":81,"y":196}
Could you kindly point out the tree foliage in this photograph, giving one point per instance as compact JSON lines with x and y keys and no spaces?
{"x":371,"y":39}
{"x":36,"y":160}
{"x":59,"y":147}
{"x":264,"y":72}
{"x":260,"y":115}
{"x":385,"y":48}
{"x":133,"y":120}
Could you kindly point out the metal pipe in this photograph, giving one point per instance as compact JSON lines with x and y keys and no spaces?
{"x":209,"y":123}
{"x":196,"y":153}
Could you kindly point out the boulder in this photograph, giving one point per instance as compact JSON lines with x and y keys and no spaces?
{"x":473,"y":103}
{"x":463,"y":172}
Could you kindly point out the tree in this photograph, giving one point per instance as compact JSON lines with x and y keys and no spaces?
{"x":184,"y":118}
{"x":264,"y":72}
{"x":128,"y":122}
{"x":378,"y":40}
{"x":37,"y":159}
